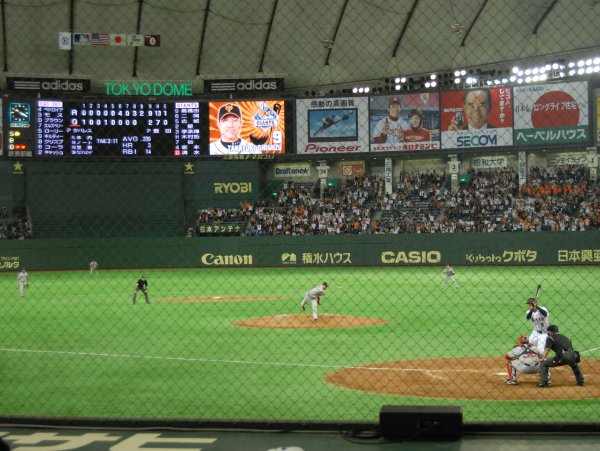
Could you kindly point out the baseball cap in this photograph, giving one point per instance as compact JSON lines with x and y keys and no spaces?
{"x":552,"y":328}
{"x":325,"y":284}
{"x":393,"y":100}
{"x":230,"y":109}
{"x":531,"y":300}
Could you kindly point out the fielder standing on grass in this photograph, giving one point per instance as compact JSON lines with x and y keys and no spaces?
{"x":23,"y":281}
{"x":540,"y":317}
{"x":449,"y":275}
{"x":141,"y":284}
{"x":314,"y":297}
{"x":94,"y":268}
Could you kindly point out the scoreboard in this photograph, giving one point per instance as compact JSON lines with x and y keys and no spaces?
{"x":119,"y":127}
{"x":47,"y":128}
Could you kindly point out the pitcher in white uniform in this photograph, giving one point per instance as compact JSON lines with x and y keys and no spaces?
{"x":314,"y":297}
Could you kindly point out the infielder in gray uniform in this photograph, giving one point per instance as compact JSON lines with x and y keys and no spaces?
{"x":521,"y":359}
{"x":314,"y":297}
{"x":449,"y":273}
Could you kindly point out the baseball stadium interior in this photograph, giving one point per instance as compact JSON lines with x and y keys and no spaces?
{"x":299,"y":225}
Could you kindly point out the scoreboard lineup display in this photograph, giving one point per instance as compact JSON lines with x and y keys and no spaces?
{"x":55,"y":128}
{"x":118,"y":128}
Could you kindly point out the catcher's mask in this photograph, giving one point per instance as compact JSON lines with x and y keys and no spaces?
{"x":522,"y":340}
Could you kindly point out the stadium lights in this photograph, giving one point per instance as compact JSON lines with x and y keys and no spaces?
{"x":361,"y":90}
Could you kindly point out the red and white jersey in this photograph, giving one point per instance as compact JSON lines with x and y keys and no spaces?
{"x":524,"y":359}
{"x":421,"y":134}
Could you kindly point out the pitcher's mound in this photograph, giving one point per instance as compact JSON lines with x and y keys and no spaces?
{"x":305,"y":321}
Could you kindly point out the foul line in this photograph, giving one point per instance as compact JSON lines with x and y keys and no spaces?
{"x":248,"y":362}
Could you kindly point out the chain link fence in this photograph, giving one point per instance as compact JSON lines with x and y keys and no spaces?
{"x":356,"y":249}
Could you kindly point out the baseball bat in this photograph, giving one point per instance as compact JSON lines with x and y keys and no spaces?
{"x":538,"y":291}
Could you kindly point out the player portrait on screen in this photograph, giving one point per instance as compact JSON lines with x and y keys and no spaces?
{"x":405,"y":122}
{"x":246,"y":127}
{"x":480,"y":117}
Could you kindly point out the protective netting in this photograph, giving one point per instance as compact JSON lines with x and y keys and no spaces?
{"x":432,"y":207}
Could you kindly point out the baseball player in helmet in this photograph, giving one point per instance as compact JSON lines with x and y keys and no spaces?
{"x":521,"y":359}
{"x":540,"y":317}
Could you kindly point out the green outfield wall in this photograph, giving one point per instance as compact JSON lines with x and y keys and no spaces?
{"x":478,"y":249}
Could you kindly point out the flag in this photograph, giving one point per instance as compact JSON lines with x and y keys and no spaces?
{"x":135,"y":40}
{"x":81,"y":38}
{"x":64,"y":40}
{"x":118,"y":39}
{"x":99,"y":38}
{"x":152,"y":40}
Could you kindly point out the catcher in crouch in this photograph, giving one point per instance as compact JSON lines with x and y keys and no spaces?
{"x":521,"y":359}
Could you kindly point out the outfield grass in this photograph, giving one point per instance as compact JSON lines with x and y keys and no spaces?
{"x":76,"y":346}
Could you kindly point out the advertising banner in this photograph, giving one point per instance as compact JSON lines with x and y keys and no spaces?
{"x":490,"y":162}
{"x":477,"y":118}
{"x":353,"y":169}
{"x":551,"y":114}
{"x":247,"y":127}
{"x":408,"y":122}
{"x":288,"y":170}
{"x":332,"y":125}
{"x":567,"y":158}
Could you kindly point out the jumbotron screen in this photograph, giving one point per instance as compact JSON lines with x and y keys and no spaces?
{"x":107,"y":127}
{"x":246,"y":127}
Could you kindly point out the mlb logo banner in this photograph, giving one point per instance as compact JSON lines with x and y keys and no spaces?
{"x":82,"y":38}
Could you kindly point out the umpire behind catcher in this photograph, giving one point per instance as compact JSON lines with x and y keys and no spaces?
{"x":564,"y":355}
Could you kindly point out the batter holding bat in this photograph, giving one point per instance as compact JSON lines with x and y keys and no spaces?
{"x":539,"y":316}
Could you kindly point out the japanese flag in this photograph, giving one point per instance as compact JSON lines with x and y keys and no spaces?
{"x":118,"y":39}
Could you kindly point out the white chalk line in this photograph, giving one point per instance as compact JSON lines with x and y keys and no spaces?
{"x":429,"y":372}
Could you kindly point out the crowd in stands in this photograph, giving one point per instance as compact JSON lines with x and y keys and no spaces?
{"x":553,"y":199}
{"x":16,"y":228}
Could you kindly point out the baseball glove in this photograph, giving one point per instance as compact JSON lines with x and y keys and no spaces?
{"x":319,"y":301}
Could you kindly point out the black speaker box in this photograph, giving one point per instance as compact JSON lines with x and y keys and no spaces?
{"x":421,"y":422}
